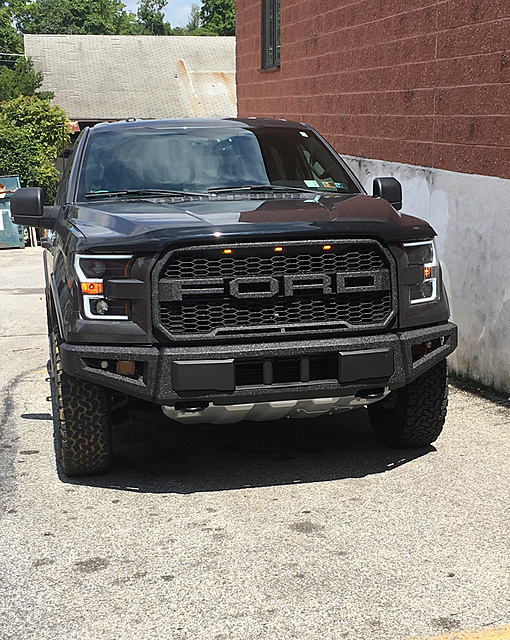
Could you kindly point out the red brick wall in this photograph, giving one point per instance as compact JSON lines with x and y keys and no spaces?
{"x":423,"y":82}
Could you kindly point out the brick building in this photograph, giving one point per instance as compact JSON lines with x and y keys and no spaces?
{"x":418,"y":89}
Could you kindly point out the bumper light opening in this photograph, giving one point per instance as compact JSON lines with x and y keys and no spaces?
{"x":125,"y":367}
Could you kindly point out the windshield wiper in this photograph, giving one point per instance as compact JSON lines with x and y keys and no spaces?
{"x":268,"y":187}
{"x":141,"y":192}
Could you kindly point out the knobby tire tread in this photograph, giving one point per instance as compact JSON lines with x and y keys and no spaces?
{"x":417,"y":417}
{"x":81,"y":415}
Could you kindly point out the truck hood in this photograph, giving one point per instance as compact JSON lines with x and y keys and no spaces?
{"x":153,"y":224}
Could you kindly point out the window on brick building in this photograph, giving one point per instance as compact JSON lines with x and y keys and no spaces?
{"x":270,"y":34}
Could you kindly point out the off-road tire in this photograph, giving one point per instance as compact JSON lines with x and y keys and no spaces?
{"x":414,"y":415}
{"x":81,"y":419}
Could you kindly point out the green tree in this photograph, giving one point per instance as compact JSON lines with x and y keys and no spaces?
{"x":91,"y":17}
{"x":21,"y":79}
{"x":217,"y":18}
{"x":193,"y":19}
{"x":151,"y":18}
{"x":32,"y":134}
{"x":17,"y":73}
{"x":10,"y":40}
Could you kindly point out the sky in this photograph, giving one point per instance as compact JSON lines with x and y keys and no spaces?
{"x":176,"y":11}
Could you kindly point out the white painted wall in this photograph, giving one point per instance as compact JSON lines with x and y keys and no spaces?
{"x":471,"y":215}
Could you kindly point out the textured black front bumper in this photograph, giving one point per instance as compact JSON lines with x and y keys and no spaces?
{"x":352,"y":366}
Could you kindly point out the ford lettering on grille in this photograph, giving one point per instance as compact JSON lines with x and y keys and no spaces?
{"x":268,"y":287}
{"x":201,"y":293}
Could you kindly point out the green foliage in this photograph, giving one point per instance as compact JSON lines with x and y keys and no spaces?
{"x":107,"y":17}
{"x":217,"y":18}
{"x":91,"y":17}
{"x":21,"y":79}
{"x":32,"y":135}
{"x":10,"y":40}
{"x":194,"y":19}
{"x":17,"y":74}
{"x":151,"y":18}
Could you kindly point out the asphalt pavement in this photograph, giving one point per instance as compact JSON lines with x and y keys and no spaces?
{"x":288,"y":530}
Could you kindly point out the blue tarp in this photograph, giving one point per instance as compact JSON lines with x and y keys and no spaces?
{"x":11,"y":235}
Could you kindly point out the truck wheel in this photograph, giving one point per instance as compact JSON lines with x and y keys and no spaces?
{"x":413,"y":416}
{"x":81,"y":419}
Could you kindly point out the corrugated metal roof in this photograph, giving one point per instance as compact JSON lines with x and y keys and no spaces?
{"x":114,"y":77}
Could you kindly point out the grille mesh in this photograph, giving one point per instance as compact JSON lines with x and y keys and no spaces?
{"x":221,"y":314}
{"x":203,"y":316}
{"x":189,"y":266}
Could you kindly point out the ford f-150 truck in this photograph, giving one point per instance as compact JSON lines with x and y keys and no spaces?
{"x":234,"y":269}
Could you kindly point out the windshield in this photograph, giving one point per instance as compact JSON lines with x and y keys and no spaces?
{"x":201,"y":159}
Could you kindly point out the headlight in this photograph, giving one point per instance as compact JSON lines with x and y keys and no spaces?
{"x":422,"y":257}
{"x":92,"y":271}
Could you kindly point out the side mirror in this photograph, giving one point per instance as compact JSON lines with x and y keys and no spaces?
{"x":390,"y":189}
{"x":27,"y":209}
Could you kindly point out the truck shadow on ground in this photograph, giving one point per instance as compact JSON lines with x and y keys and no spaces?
{"x":155,"y":455}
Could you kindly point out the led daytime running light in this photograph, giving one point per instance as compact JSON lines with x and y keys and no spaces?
{"x":95,"y":306}
{"x":427,"y":290}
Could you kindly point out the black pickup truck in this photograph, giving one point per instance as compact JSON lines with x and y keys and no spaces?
{"x":234,"y":269}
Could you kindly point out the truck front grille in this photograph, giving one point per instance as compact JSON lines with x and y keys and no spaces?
{"x":305,"y":287}
{"x":357,"y":258}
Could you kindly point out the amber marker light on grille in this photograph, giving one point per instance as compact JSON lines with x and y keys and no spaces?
{"x":227,"y":251}
{"x":92,"y":288}
{"x":427,"y":272}
{"x":327,"y":247}
{"x":278,"y":249}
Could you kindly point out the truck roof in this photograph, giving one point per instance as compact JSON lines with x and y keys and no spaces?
{"x":178,"y":123}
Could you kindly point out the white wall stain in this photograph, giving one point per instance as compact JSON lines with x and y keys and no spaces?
{"x":471,"y":215}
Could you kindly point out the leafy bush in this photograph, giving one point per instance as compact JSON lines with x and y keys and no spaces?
{"x":21,"y":79}
{"x":32,"y":135}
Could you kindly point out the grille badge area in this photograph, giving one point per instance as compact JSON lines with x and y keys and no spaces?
{"x":202,"y":294}
{"x":268,"y":286}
